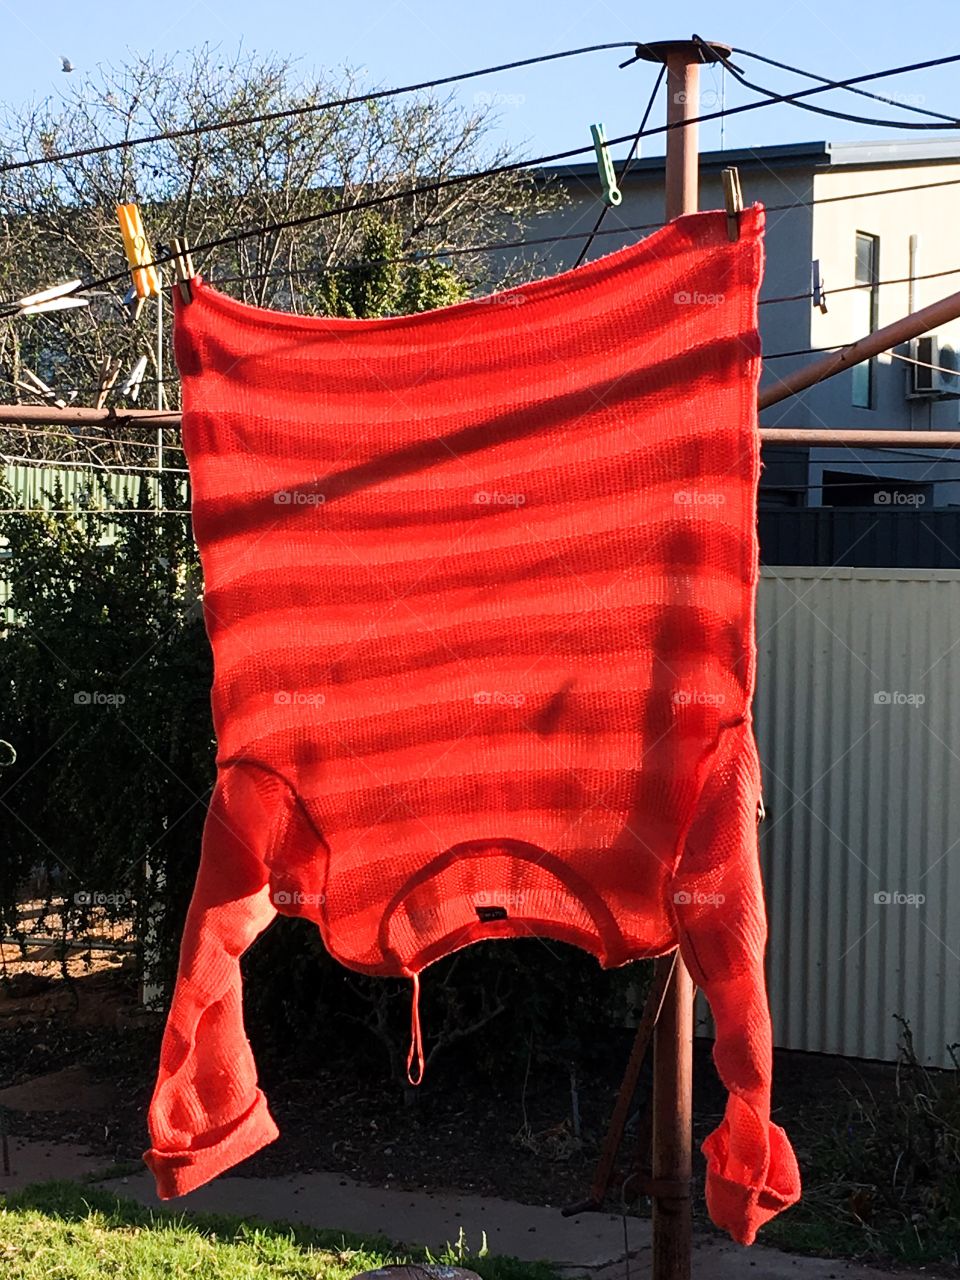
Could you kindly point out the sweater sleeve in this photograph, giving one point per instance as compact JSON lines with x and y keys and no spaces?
{"x":717,"y":897}
{"x":207,"y":1112}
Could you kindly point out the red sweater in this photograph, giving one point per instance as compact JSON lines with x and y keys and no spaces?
{"x":480,"y":589}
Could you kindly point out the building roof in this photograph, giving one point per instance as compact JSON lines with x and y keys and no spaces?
{"x":833,"y":155}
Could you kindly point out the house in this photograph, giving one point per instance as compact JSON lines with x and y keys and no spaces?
{"x":858,"y":604}
{"x":871,"y":219}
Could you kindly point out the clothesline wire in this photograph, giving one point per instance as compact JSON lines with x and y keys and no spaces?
{"x":626,"y":166}
{"x":517,"y":165}
{"x":856,"y":481}
{"x":173,"y":379}
{"x":864,"y":93}
{"x":237,"y":122}
{"x":773,"y":96}
{"x":499,"y":246}
{"x":66,"y":434}
{"x":125,"y":467}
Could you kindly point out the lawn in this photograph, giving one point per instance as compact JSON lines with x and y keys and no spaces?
{"x":68,"y":1231}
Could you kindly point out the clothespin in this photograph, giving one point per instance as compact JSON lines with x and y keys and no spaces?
{"x":37,"y":387}
{"x":56,"y":298}
{"x":608,"y":179}
{"x":182,"y":267}
{"x":733,"y":201}
{"x":109,"y":372}
{"x":132,"y":303}
{"x":817,"y":291}
{"x":131,"y":388}
{"x":146,"y":281}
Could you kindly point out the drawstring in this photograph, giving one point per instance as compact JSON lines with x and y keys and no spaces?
{"x":416,"y":1037}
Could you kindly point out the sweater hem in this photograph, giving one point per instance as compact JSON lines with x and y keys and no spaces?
{"x":179,"y":1172}
{"x":742,"y":1208}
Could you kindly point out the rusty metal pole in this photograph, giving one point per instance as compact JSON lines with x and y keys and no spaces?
{"x":673,"y":1038}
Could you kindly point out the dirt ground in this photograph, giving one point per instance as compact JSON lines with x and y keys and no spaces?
{"x":78,"y":1061}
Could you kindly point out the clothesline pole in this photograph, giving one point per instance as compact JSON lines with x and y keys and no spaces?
{"x":672,"y":1156}
{"x":672,"y":1145}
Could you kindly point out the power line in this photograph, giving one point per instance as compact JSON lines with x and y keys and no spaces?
{"x":189,"y":131}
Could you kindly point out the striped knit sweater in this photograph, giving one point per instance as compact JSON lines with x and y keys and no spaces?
{"x":479,"y":584}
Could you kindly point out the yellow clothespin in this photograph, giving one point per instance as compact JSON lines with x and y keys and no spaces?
{"x":733,"y":201}
{"x":182,"y":267}
{"x":608,"y":178}
{"x":146,"y":280}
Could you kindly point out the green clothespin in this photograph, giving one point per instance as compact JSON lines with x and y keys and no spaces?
{"x":608,"y":179}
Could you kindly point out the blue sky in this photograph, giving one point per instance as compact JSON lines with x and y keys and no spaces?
{"x":541,"y":110}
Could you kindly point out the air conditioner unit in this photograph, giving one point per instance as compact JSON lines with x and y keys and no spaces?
{"x":936,"y":375}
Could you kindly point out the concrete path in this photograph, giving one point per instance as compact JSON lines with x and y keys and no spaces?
{"x":43,"y":1161}
{"x":590,"y":1244}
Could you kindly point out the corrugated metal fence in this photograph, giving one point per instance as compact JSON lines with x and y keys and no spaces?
{"x":858,"y":722}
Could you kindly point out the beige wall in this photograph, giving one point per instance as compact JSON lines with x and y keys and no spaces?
{"x":894,"y":218}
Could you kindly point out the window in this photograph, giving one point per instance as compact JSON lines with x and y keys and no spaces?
{"x":865,"y":305}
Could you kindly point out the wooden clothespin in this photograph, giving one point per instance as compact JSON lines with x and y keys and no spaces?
{"x":109,"y":372}
{"x":182,"y":267}
{"x":131,"y":388}
{"x":58,"y":297}
{"x":146,"y":279}
{"x":733,"y":201}
{"x":37,"y":387}
{"x":132,"y":303}
{"x":608,"y":178}
{"x":817,"y":292}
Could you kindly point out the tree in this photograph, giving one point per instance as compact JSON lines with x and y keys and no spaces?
{"x":58,"y":221}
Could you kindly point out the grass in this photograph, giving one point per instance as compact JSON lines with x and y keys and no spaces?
{"x":68,"y":1231}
